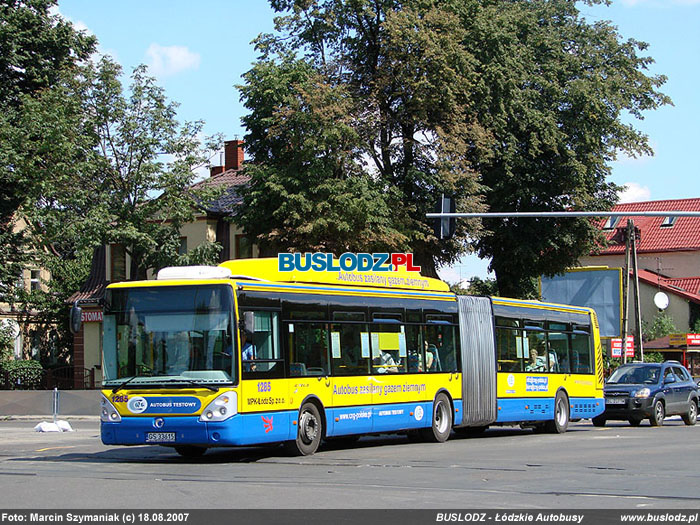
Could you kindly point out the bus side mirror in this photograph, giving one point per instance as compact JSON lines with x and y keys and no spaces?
{"x":249,"y":322}
{"x":76,"y":318}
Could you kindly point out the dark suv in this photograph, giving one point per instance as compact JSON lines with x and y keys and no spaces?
{"x":639,"y":391}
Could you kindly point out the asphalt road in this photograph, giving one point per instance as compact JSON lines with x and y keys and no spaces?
{"x":613,"y":467}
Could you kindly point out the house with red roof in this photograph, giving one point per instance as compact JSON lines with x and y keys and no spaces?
{"x":668,"y":259}
{"x":111,"y":263}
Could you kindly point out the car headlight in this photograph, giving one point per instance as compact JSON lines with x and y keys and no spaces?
{"x":108,"y":413}
{"x":223,"y":407}
{"x":643,"y":393}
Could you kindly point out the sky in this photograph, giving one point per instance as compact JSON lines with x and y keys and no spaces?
{"x":199,"y":51}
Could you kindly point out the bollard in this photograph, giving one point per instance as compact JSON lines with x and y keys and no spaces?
{"x":55,"y":403}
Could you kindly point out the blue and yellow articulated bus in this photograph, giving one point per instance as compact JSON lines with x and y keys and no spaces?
{"x":243,"y":354}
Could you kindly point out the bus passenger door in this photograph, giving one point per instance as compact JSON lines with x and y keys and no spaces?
{"x":390,"y":410}
{"x":309,"y":365}
{"x":352,"y":386}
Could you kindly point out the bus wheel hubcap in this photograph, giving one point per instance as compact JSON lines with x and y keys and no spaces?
{"x":309,"y":427}
{"x":441,"y":418}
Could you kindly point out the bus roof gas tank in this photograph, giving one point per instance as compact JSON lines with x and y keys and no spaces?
{"x":193,"y":272}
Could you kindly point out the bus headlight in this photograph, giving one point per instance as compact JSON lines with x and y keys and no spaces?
{"x":643,"y":393}
{"x":223,"y":407}
{"x":108,"y":413}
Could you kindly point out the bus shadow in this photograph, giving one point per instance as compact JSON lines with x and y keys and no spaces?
{"x":149,"y":454}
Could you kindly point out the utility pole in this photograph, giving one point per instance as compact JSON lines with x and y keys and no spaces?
{"x":637,"y":304}
{"x":629,"y":232}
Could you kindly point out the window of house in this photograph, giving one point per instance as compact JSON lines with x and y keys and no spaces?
{"x":611,"y":223}
{"x":244,"y":247}
{"x":35,"y":280}
{"x":35,"y":342}
{"x":668,"y":222}
{"x":117,"y":259}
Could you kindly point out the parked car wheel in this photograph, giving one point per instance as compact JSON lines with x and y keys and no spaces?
{"x":658,"y":414}
{"x":691,"y":417}
{"x":599,"y":421}
{"x":634,"y":421}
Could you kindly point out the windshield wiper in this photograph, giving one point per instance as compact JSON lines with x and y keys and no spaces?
{"x":190,"y":382}
{"x":118,"y":388}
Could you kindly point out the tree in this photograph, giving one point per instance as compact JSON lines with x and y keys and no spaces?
{"x":106,"y":167}
{"x":307,"y":192}
{"x":526,"y":95}
{"x":113,"y":167}
{"x":552,"y":90}
{"x":36,"y":49}
{"x":354,"y":142}
{"x":661,"y":327}
{"x":477,"y":286}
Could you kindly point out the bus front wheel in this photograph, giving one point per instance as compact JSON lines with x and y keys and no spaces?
{"x":309,"y":431}
{"x":441,"y":427}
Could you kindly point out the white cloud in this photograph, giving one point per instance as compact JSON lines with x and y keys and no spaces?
{"x":165,"y":61}
{"x":634,"y":192}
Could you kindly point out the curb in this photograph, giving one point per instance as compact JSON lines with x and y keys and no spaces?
{"x":49,"y":417}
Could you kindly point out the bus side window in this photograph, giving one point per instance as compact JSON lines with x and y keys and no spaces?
{"x":581,"y":352}
{"x":266,"y":351}
{"x":308,"y":350}
{"x":509,"y":343}
{"x":346,"y":349}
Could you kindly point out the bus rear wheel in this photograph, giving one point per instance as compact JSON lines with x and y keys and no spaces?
{"x":560,"y":423}
{"x":309,"y":431}
{"x":441,"y":427}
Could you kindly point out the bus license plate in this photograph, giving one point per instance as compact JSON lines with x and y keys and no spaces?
{"x":160,"y":437}
{"x":615,"y":401}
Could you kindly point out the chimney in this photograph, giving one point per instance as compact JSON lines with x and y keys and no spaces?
{"x":233,"y":154}
{"x":215,"y":170}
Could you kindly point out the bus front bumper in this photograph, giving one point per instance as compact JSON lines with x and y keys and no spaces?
{"x":189,"y":430}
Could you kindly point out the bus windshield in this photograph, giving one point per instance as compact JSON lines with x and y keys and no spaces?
{"x":164,"y":335}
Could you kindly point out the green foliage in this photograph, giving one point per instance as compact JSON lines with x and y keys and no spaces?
{"x":6,"y":345}
{"x":551,"y":91}
{"x":654,"y":357}
{"x":477,"y":286}
{"x":515,"y":104}
{"x":696,"y":326}
{"x":23,"y":374}
{"x":611,"y":364}
{"x":103,"y":165}
{"x":37,"y":48}
{"x":354,"y":142}
{"x":660,"y":327}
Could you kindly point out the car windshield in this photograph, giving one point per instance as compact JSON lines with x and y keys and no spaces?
{"x":635,"y":375}
{"x":167,"y":334}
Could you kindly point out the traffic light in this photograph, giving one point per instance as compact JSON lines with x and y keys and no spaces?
{"x":445,"y":226}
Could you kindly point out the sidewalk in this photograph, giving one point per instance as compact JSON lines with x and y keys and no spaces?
{"x":49,"y":417}
{"x":36,"y":403}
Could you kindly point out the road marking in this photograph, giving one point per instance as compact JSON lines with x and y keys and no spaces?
{"x":51,"y":448}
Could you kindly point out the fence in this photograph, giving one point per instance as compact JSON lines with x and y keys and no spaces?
{"x":63,"y":378}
